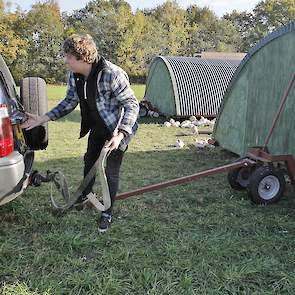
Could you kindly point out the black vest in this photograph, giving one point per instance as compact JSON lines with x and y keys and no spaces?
{"x":87,"y":93}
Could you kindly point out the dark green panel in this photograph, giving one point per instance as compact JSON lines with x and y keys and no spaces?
{"x":253,"y":98}
{"x":230,"y":130}
{"x":159,"y":89}
{"x":269,"y":71}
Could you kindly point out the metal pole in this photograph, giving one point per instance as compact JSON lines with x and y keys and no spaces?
{"x":276,"y":118}
{"x":242,"y":163}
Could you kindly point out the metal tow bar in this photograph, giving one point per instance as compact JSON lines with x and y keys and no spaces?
{"x":58,"y":179}
{"x":245,"y":162}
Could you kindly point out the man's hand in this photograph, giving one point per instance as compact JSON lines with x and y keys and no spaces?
{"x":34,"y":121}
{"x":114,"y":142}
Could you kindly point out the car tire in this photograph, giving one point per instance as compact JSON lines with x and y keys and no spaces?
{"x":34,"y":100}
{"x":238,"y":178}
{"x":266,"y":185}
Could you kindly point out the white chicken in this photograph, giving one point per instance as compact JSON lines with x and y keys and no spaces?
{"x":179,"y":144}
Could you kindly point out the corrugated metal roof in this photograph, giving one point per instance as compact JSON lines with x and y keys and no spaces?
{"x":199,"y":84}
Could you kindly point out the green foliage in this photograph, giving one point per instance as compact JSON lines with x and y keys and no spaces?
{"x":140,"y":44}
{"x":270,"y":14}
{"x":209,"y":33}
{"x":12,"y":44}
{"x":106,"y":21}
{"x":173,"y":20}
{"x":245,"y":24}
{"x":31,"y":41}
{"x":266,"y":17}
{"x":19,"y":289}
{"x":44,"y":33}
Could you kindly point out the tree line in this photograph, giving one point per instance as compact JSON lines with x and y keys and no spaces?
{"x":30,"y":41}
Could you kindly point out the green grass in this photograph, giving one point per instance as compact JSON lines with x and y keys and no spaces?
{"x":198,"y":238}
{"x":57,"y":91}
{"x":138,"y":90}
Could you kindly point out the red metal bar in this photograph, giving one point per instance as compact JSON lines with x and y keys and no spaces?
{"x":260,"y":155}
{"x":290,"y":163}
{"x":282,"y":104}
{"x":242,"y":163}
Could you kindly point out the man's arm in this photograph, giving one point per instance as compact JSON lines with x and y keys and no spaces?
{"x":124,"y":94}
{"x":67,"y":105}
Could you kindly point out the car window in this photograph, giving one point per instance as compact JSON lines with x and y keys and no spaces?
{"x":3,"y":93}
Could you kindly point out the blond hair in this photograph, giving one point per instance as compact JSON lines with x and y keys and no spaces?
{"x":81,"y":46}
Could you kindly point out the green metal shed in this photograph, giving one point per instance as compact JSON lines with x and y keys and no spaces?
{"x":253,"y":97}
{"x":185,"y":86}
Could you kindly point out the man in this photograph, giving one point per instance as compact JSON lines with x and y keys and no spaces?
{"x":108,"y":106}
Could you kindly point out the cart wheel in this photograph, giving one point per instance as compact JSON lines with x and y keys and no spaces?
{"x":239,"y":178}
{"x":266,"y":185}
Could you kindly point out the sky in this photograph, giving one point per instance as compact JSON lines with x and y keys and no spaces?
{"x":220,"y":7}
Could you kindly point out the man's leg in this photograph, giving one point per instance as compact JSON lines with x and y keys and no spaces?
{"x":94,"y":147}
{"x":114,"y":161}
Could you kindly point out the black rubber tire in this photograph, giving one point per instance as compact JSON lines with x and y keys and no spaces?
{"x":272,"y":179}
{"x":233,"y":179}
{"x":143,"y":111}
{"x":8,"y":78}
{"x":34,"y":99}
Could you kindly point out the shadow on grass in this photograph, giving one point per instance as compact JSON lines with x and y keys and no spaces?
{"x":146,"y":168}
{"x":75,"y":116}
{"x":148,"y":120}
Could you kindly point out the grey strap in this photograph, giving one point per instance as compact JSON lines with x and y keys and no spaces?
{"x":69,"y":200}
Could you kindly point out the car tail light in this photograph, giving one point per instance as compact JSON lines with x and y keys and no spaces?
{"x":6,"y":135}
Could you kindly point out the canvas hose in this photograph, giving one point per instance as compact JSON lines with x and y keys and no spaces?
{"x":59,"y":180}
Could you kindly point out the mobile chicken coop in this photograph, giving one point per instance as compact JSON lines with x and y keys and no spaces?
{"x":256,"y":121}
{"x":185,"y":86}
{"x":253,"y":97}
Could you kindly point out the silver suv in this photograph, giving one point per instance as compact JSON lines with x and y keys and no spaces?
{"x":17,"y":146}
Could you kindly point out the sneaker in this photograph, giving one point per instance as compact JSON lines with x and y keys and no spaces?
{"x":81,"y":203}
{"x":104,"y":222}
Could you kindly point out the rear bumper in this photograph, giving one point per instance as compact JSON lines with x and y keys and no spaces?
{"x":12,"y":169}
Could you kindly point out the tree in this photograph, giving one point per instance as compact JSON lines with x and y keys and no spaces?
{"x":271,"y":14}
{"x":44,"y":33}
{"x":106,"y":21}
{"x":266,"y":17}
{"x":12,"y":46}
{"x":207,"y":32}
{"x":244,"y":22}
{"x":172,"y":19}
{"x":142,"y":42}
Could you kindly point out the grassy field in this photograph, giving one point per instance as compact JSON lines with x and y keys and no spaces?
{"x":57,"y":92}
{"x":198,"y":238}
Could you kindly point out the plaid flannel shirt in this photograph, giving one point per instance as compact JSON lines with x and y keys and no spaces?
{"x":116,"y":102}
